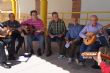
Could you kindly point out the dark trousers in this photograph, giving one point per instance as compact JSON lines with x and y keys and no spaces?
{"x":73,"y":50}
{"x":16,"y":36}
{"x":3,"y":57}
{"x":60,"y":41}
{"x":92,"y":48}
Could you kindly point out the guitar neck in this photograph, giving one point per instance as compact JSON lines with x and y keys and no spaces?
{"x":105,"y":56}
{"x":92,"y":54}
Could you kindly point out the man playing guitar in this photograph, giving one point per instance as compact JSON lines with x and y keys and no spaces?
{"x":96,"y":29}
{"x":14,"y":25}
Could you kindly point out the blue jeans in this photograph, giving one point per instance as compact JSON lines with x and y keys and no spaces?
{"x":92,"y":48}
{"x":31,"y":38}
{"x":3,"y":57}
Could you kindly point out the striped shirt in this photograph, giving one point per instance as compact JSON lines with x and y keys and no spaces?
{"x":38,"y":24}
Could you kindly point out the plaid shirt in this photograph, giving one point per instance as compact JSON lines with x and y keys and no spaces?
{"x":56,"y":28}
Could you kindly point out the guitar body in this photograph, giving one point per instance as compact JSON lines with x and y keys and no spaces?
{"x":6,"y":33}
{"x":29,"y":30}
{"x":91,"y":38}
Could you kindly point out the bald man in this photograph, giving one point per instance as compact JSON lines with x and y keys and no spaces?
{"x":95,"y":28}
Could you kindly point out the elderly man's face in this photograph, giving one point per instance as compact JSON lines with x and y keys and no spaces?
{"x":74,"y":20}
{"x":94,"y":20}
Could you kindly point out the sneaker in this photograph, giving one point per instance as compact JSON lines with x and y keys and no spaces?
{"x":77,"y":61}
{"x":69,"y":60}
{"x":39,"y":52}
{"x":5,"y":65}
{"x":81,"y":64}
{"x":61,"y":57}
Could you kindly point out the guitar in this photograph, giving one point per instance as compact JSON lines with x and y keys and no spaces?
{"x":5,"y":32}
{"x":28,"y":30}
{"x":91,"y":38}
{"x":93,"y":54}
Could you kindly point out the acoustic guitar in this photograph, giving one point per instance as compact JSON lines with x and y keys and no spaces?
{"x":28,"y":30}
{"x":91,"y":38}
{"x":5,"y":33}
{"x":93,"y":54}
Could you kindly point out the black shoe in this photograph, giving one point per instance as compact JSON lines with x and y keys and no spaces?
{"x":95,"y":67}
{"x":48,"y":54}
{"x":32,"y":52}
{"x":39,"y":52}
{"x":5,"y":65}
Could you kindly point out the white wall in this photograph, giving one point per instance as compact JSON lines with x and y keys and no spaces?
{"x":66,"y":6}
{"x":59,"y":5}
{"x":96,"y":5}
{"x":26,"y":5}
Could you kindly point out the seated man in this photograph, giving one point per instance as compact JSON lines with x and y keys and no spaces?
{"x":38,"y":34}
{"x":56,"y":32}
{"x":14,"y":25}
{"x":3,"y":42}
{"x":73,"y":39}
{"x":95,"y":28}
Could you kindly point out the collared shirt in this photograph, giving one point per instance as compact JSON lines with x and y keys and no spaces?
{"x":56,"y":28}
{"x":38,"y":24}
{"x":90,"y":28}
{"x":73,"y":31}
{"x":13,"y":24}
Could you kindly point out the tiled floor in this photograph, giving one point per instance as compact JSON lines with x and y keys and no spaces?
{"x":48,"y":65}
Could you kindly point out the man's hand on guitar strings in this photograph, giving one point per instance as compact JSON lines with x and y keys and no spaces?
{"x":98,"y":58}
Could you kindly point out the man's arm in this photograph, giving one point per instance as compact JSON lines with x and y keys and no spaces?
{"x":83,"y":31}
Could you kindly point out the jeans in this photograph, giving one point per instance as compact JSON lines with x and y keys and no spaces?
{"x":3,"y":57}
{"x":92,"y":48}
{"x":39,"y":37}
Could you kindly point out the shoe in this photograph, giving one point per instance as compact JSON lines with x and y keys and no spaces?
{"x":5,"y":65}
{"x":81,"y":64}
{"x":95,"y":66}
{"x":77,"y":61}
{"x":27,"y":54}
{"x":39,"y":52}
{"x":61,"y":57}
{"x":49,"y":54}
{"x":69,"y":60}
